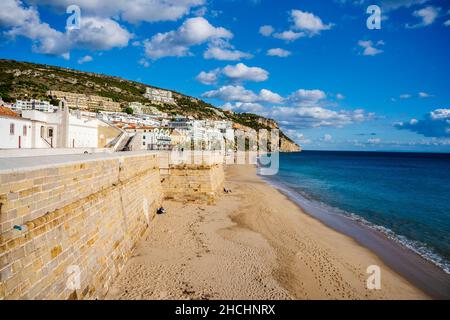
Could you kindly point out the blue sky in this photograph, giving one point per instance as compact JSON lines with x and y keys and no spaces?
{"x":314,"y":66}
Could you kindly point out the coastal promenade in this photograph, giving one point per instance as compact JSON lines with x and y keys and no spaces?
{"x":17,"y":164}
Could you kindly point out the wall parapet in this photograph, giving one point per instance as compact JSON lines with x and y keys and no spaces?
{"x":84,"y":216}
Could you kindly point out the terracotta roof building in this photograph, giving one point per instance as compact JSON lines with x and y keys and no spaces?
{"x":7,"y":112}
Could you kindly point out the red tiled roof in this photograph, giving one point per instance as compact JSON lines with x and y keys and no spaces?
{"x":7,"y":112}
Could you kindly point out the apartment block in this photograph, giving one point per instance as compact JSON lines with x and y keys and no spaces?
{"x":85,"y":102}
{"x":39,"y":105}
{"x":159,"y":96}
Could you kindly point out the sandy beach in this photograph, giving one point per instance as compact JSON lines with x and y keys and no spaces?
{"x":254,"y":243}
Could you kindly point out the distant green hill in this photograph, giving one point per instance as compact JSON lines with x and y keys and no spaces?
{"x":24,"y":80}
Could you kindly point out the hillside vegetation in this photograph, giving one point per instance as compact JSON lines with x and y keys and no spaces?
{"x":24,"y":80}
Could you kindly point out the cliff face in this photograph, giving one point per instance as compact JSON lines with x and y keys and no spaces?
{"x":286,"y":145}
{"x":289,"y":146}
{"x":268,"y":123}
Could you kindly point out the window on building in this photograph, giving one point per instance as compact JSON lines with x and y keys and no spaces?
{"x":25,"y":131}
{"x":143,"y":137}
{"x":143,"y":143}
{"x":50,"y":132}
{"x":42,"y":131}
{"x":11,"y":128}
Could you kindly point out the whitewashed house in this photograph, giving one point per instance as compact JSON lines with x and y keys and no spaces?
{"x":36,"y":129}
{"x":39,"y":105}
{"x":15,"y":132}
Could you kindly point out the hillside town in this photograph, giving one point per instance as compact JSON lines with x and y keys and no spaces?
{"x":89,"y":121}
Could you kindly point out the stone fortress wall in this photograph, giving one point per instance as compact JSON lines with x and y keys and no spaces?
{"x":67,"y":229}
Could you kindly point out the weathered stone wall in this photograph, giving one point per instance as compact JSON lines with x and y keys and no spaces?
{"x":193,"y":183}
{"x":135,"y":144}
{"x":85,"y":215}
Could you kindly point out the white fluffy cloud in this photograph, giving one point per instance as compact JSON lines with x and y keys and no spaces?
{"x":243,"y":107}
{"x":269,"y":96}
{"x":232,"y":93}
{"x":224,"y":54}
{"x":176,"y":43}
{"x":133,"y":11}
{"x":307,"y":98}
{"x":14,"y":13}
{"x":424,"y":95}
{"x":370,"y":49}
{"x":314,"y":117}
{"x":96,"y":33}
{"x":308,"y":22}
{"x":278,"y":52}
{"x":210,"y":77}
{"x":237,"y":73}
{"x":288,"y":35}
{"x":297,"y":136}
{"x":427,"y":16}
{"x":221,"y":49}
{"x":434,"y":124}
{"x":303,"y":24}
{"x":305,"y":108}
{"x":240,"y":94}
{"x":266,"y":30}
{"x":241,"y":72}
{"x":20,"y":20}
{"x":85,"y":59}
{"x":143,"y":62}
{"x":397,"y":4}
{"x":405,"y":96}
{"x":388,"y":5}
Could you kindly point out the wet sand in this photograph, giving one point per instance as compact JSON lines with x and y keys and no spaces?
{"x":420,"y":272}
{"x":253,"y":244}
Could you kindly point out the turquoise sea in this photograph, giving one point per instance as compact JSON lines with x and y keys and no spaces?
{"x":405,"y":196}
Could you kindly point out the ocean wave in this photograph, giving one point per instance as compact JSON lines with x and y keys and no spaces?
{"x":417,"y":247}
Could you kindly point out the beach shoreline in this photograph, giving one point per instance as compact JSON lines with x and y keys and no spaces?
{"x":417,"y":269}
{"x":254,"y":243}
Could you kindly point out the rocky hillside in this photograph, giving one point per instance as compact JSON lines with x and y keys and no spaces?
{"x":23,"y":80}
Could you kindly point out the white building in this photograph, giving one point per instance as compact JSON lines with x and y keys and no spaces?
{"x":15,"y":132}
{"x":150,"y":121}
{"x":181,"y":123}
{"x":157,"y":139}
{"x":207,"y":134}
{"x":36,"y":129}
{"x":138,"y":119}
{"x":159,"y":96}
{"x":152,"y":138}
{"x":85,"y":102}
{"x":39,"y":105}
